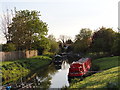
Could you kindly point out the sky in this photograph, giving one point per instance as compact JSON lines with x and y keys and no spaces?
{"x":68,"y":17}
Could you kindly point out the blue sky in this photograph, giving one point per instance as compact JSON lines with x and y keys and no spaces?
{"x":67,"y":17}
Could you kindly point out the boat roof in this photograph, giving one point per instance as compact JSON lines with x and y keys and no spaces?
{"x":58,"y":56}
{"x":80,"y":61}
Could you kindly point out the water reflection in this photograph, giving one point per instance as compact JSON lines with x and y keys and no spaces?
{"x":42,"y":78}
{"x":52,"y":76}
{"x":60,"y":79}
{"x":65,"y":65}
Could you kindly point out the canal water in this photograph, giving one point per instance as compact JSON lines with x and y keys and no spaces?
{"x":51,"y":76}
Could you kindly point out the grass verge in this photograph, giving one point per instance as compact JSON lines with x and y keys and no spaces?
{"x":13,"y":70}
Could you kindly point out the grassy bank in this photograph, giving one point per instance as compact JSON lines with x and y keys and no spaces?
{"x":107,"y":62}
{"x":108,"y":78}
{"x":13,"y":70}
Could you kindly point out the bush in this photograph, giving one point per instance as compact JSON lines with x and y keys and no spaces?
{"x":49,"y":54}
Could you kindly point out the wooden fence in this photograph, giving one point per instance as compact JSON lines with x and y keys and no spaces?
{"x":9,"y":56}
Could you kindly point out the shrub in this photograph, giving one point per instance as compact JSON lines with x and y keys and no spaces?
{"x":49,"y":54}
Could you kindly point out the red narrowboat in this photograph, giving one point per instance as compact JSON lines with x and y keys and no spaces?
{"x":80,"y":67}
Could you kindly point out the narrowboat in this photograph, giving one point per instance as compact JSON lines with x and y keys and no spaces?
{"x":79,"y":68}
{"x":58,"y":59}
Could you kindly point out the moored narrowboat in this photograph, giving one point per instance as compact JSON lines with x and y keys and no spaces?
{"x":80,"y":67}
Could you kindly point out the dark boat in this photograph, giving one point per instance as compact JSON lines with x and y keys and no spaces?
{"x":58,"y":59}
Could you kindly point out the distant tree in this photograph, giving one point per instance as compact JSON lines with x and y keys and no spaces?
{"x":69,"y":41}
{"x":63,"y":38}
{"x":62,"y":44}
{"x":84,"y":34}
{"x":54,"y":46}
{"x":102,"y":40}
{"x":61,"y":48}
{"x":27,"y":28}
{"x":82,"y":41}
{"x":68,"y":44}
{"x":52,"y":37}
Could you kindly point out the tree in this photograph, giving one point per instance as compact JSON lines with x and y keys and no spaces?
{"x":52,"y":37}
{"x":63,"y":38}
{"x":62,"y":42}
{"x":69,"y":41}
{"x":102,"y":40}
{"x":42,"y":45}
{"x":68,"y":45}
{"x":82,"y":41}
{"x":54,"y":46}
{"x":6,"y":20}
{"x":27,"y":28}
{"x":61,"y":48}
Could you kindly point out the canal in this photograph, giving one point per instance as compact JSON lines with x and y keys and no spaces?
{"x":51,"y":76}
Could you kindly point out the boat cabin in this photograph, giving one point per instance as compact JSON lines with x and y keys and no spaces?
{"x":80,"y":67}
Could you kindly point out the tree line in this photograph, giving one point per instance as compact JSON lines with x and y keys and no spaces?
{"x":104,"y":40}
{"x":24,"y":30}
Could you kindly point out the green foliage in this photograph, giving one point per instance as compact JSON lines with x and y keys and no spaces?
{"x":102,"y":40}
{"x":54,"y":46}
{"x":42,"y":58}
{"x":85,"y":33}
{"x":105,"y":79}
{"x":49,"y":54}
{"x":8,"y":47}
{"x":13,"y":70}
{"x":26,"y":28}
{"x":83,"y":41}
{"x":42,"y":45}
{"x":80,"y":46}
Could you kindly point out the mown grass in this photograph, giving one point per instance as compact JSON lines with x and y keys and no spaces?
{"x":13,"y":70}
{"x":105,"y":79}
{"x":107,"y":62}
{"x":100,"y":80}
